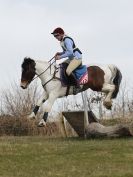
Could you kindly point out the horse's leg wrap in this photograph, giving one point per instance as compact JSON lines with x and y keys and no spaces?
{"x":35,"y":110}
{"x":45,"y":116}
{"x":42,"y":123}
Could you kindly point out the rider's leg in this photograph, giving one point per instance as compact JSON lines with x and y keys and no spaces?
{"x":73,"y":65}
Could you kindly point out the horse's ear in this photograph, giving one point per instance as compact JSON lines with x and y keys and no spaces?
{"x":26,"y":58}
{"x":24,"y":61}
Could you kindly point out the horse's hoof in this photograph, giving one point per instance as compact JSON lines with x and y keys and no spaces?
{"x":107,"y":104}
{"x":42,"y":123}
{"x":31,"y":116}
{"x":108,"y":107}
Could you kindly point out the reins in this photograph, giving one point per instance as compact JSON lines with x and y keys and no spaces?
{"x":46,"y":68}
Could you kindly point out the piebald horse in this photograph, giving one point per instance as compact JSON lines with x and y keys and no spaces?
{"x":105,"y":79}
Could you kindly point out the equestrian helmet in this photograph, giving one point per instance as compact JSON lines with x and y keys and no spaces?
{"x":58,"y":31}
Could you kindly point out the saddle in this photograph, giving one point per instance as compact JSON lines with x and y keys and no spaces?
{"x":78,"y":77}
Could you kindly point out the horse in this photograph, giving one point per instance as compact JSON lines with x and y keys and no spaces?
{"x":104,"y":79}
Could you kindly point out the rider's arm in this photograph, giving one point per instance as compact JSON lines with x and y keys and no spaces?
{"x":69,"y":49}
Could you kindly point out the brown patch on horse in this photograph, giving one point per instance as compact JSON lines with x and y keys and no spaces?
{"x":28,"y":70}
{"x":95,"y":78}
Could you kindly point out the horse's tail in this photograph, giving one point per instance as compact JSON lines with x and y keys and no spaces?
{"x":116,"y":80}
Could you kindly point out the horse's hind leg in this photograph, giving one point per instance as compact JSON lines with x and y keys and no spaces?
{"x":108,"y":89}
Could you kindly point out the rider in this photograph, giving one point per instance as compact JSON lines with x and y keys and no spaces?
{"x":69,"y":50}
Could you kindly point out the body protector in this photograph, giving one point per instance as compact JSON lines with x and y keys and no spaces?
{"x":74,"y":46}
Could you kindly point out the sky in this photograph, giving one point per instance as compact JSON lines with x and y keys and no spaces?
{"x":102,"y":29}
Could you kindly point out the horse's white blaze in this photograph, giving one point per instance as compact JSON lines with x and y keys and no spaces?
{"x":24,"y":84}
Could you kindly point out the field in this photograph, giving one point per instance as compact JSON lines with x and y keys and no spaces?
{"x":36,"y":156}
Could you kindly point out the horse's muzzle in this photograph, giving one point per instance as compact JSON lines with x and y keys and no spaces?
{"x":23,"y":85}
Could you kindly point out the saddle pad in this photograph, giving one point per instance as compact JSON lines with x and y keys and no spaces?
{"x":81,"y":74}
{"x":83,"y":79}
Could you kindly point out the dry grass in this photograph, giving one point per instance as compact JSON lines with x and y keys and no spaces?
{"x":126,"y":120}
{"x":21,"y":126}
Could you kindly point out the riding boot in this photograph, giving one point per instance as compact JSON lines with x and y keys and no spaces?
{"x":76,"y":87}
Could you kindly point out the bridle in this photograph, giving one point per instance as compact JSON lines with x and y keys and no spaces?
{"x":51,"y":61}
{"x":45,"y":69}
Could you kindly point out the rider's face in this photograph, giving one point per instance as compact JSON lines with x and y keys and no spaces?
{"x":59,"y":37}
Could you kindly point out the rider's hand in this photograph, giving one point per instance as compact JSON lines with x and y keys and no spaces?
{"x":58,"y":53}
{"x":57,"y":57}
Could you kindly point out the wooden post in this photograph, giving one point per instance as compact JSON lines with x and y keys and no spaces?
{"x":86,"y":122}
{"x":63,"y":127}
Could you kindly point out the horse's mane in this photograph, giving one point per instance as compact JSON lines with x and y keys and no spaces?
{"x":26,"y":62}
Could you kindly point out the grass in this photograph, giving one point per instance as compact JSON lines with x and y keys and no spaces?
{"x":71,"y":157}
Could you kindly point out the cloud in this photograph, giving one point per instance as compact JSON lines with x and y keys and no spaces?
{"x":102,"y":30}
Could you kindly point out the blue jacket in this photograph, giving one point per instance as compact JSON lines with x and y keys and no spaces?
{"x":69,"y":49}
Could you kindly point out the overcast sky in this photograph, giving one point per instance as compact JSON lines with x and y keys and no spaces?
{"x":102,"y":29}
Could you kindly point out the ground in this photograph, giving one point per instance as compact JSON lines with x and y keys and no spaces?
{"x":65,"y":157}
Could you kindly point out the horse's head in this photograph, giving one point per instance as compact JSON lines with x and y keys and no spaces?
{"x":28,"y":72}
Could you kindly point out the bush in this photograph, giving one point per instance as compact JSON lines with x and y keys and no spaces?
{"x":21,"y":126}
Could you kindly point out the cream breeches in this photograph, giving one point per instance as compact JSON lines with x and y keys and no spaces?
{"x":73,"y":64}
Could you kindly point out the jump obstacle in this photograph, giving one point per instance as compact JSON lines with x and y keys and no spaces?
{"x":87,"y":125}
{"x":76,"y":120}
{"x":79,"y":120}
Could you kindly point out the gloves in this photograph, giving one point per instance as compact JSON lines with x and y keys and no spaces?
{"x":57,"y":56}
{"x":58,"y":53}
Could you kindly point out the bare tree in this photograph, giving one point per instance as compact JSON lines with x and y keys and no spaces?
{"x":18,"y":102}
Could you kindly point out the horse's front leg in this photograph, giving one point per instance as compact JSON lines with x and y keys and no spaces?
{"x":37,"y":106}
{"x":47,"y":108}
